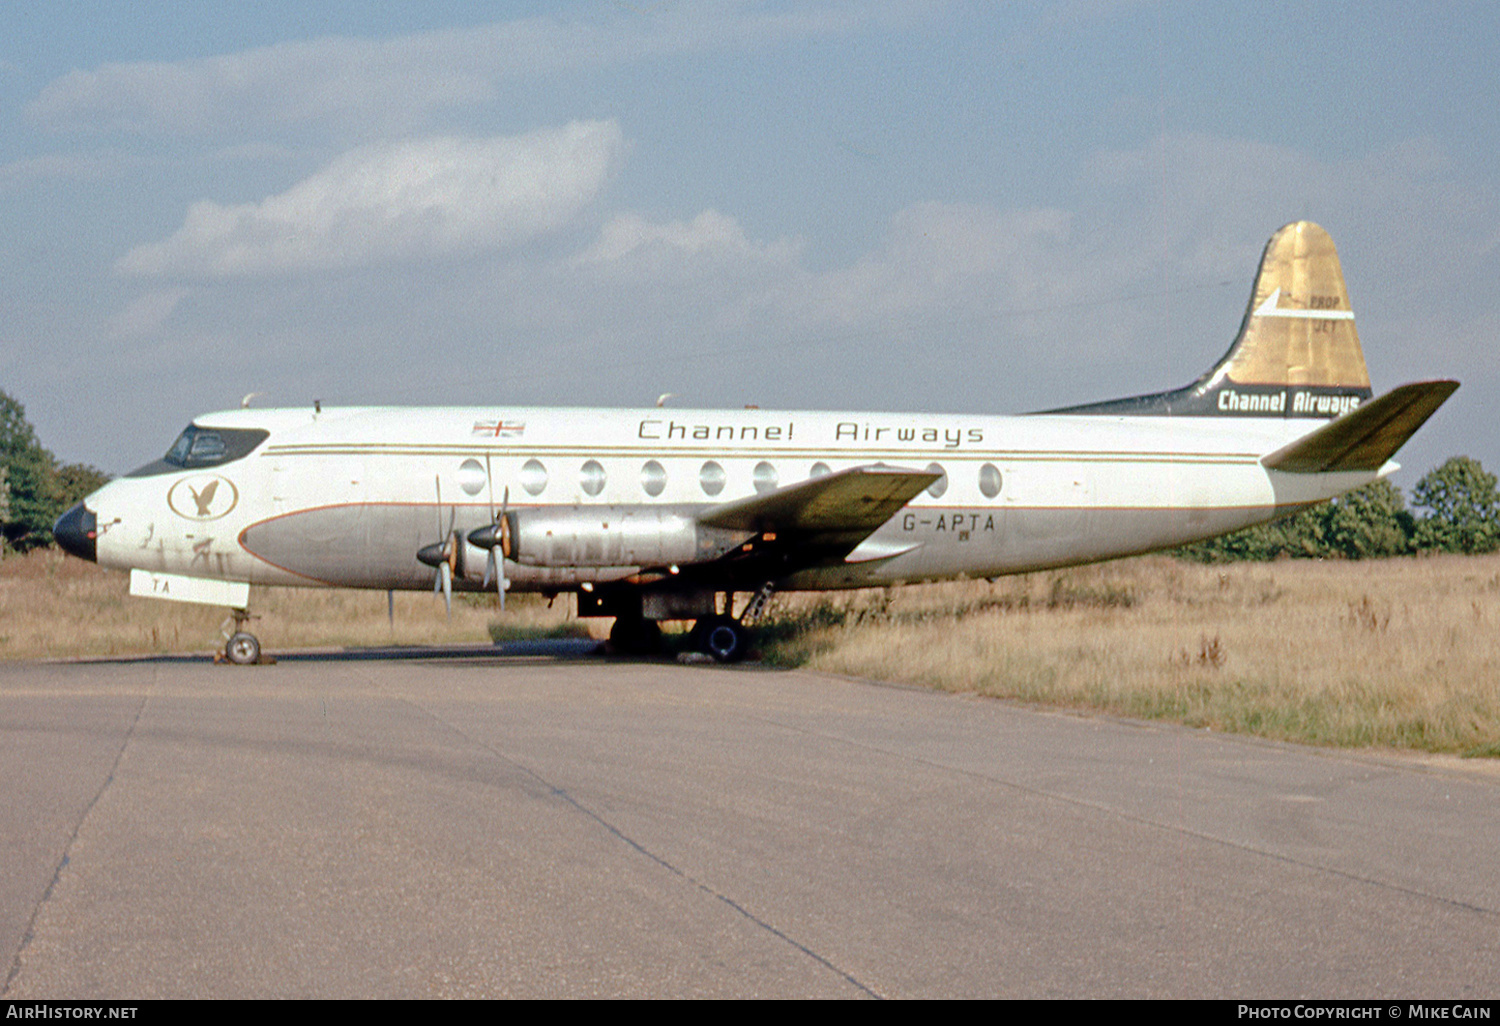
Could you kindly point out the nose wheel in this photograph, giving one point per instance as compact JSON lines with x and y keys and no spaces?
{"x":242,"y":649}
{"x":240,"y":646}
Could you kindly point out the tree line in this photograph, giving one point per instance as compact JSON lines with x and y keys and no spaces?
{"x":35,"y":487}
{"x":1455,"y":508}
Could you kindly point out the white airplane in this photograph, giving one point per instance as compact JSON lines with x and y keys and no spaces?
{"x":659,"y":513}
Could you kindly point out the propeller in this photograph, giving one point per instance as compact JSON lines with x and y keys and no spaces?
{"x":495,"y":537}
{"x":494,"y":565}
{"x":442,"y":555}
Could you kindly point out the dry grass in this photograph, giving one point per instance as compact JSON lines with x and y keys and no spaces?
{"x":53,"y":606}
{"x":1402,"y":653}
{"x":1399,"y":653}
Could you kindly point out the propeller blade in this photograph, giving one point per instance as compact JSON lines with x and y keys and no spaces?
{"x":489,"y":479}
{"x":442,"y":555}
{"x":501,"y":584}
{"x":495,"y":536}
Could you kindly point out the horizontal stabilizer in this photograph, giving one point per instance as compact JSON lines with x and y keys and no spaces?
{"x":1367,"y":436}
{"x":852,"y":502}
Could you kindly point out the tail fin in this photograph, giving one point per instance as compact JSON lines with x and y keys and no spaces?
{"x":1297,"y":353}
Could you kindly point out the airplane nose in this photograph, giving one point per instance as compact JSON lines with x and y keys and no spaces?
{"x":77,"y":531}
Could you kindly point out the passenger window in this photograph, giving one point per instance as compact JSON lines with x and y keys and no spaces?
{"x":471,"y":476}
{"x":989,"y":480}
{"x":533,"y":477}
{"x":653,"y":478}
{"x":938,"y":487}
{"x":592,"y":477}
{"x":765,"y":477}
{"x":711,"y":478}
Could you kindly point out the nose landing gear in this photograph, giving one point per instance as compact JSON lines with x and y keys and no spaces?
{"x":240,"y":646}
{"x":242,"y":649}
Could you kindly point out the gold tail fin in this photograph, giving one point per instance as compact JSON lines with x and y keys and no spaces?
{"x":1297,"y":353}
{"x":1299,"y":326}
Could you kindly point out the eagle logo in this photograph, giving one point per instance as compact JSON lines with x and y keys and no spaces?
{"x":203,"y":497}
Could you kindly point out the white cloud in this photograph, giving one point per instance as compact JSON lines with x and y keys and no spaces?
{"x":146,"y":314}
{"x":631,"y":240}
{"x":395,"y":82}
{"x":52,"y":167}
{"x":937,"y":259}
{"x":941,"y":254}
{"x":416,"y":199}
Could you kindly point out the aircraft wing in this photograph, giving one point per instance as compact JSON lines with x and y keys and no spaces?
{"x":836,"y":509}
{"x":1365,"y":437}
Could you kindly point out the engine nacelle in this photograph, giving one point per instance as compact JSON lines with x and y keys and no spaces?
{"x":564,"y":536}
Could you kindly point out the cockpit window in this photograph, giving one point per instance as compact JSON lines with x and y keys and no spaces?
{"x":205,"y":447}
{"x":208,"y":447}
{"x":178,"y":454}
{"x":197,"y":447}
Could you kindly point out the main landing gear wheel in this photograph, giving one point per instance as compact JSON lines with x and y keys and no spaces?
{"x":630,"y":636}
{"x":242,"y":649}
{"x":722,"y":637}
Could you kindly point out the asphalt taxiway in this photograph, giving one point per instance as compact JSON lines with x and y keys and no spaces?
{"x":532,"y":826}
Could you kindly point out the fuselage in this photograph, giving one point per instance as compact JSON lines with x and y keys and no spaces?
{"x":347,"y":497}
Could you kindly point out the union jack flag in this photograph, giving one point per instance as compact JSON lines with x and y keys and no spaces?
{"x":500,"y":428}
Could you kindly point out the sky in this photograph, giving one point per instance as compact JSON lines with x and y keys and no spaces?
{"x":948,"y":207}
